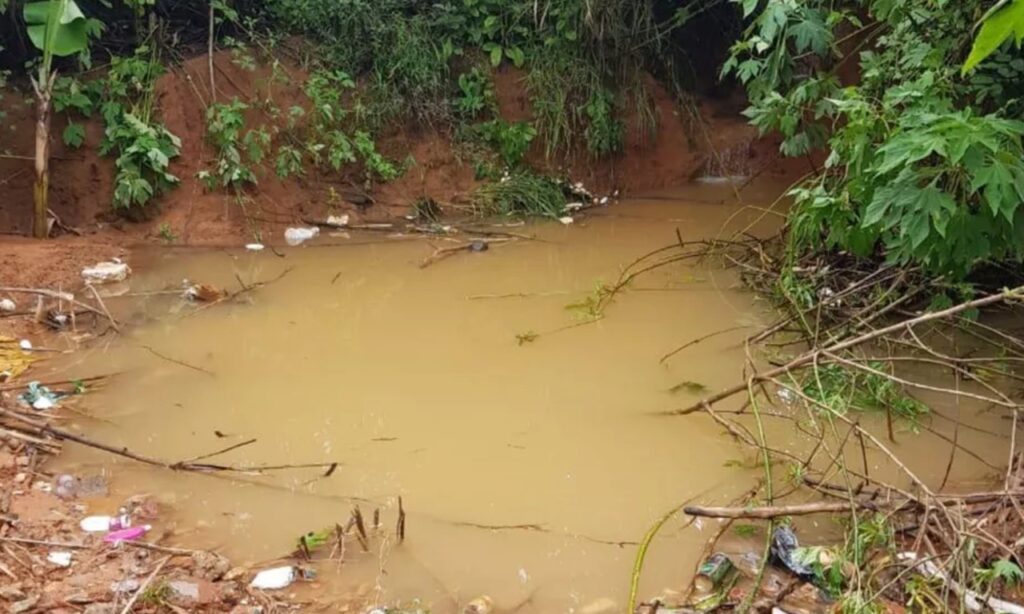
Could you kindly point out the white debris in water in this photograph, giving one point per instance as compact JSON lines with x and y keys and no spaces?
{"x":254,"y":247}
{"x":298,"y":236}
{"x":566,"y":220}
{"x":25,"y":344}
{"x":573,"y":206}
{"x":275,"y":578}
{"x":523,"y":576}
{"x":338,"y":221}
{"x":104,"y":272}
{"x":7,"y":305}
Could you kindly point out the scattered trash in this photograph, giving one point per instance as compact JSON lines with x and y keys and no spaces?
{"x":254,"y":247}
{"x":25,"y":344}
{"x":479,"y":246}
{"x":102,"y":524}
{"x":783,"y":550}
{"x":713,"y":572}
{"x":104,"y":272}
{"x":67,"y":486}
{"x":275,"y":578}
{"x":203,"y":293}
{"x":298,"y":236}
{"x":60,"y":558}
{"x":7,"y":305}
{"x":481,"y":605}
{"x":566,"y":220}
{"x":576,"y":206}
{"x":338,"y":221}
{"x":786,"y":395}
{"x":124,"y":535}
{"x":39,"y":397}
{"x":523,"y":576}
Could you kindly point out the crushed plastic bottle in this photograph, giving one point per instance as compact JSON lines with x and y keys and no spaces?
{"x":298,"y":236}
{"x":275,"y":578}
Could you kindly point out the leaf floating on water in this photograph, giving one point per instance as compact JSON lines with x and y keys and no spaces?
{"x":527,"y":337}
{"x":688,"y":386}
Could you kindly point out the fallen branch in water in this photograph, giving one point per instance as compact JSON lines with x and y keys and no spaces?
{"x":42,"y":428}
{"x":813,"y":355}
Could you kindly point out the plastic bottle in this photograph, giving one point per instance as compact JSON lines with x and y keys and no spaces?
{"x":102,"y":524}
{"x":275,"y":578}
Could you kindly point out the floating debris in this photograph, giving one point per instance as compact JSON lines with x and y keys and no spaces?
{"x":39,"y":397}
{"x":104,"y":272}
{"x":254,"y":247}
{"x":275,"y":578}
{"x":298,"y":236}
{"x":337,"y":221}
{"x":568,"y":219}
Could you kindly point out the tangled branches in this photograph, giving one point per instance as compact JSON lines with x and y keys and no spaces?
{"x":858,"y":351}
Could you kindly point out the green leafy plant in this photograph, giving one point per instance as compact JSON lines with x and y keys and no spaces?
{"x":166,"y":234}
{"x":842,"y":389}
{"x":1001,"y":570}
{"x":236,"y":148}
{"x":521,"y":193}
{"x":1005,"y":20}
{"x":924,"y":163}
{"x":476,"y":94}
{"x":143,"y":147}
{"x":510,"y":140}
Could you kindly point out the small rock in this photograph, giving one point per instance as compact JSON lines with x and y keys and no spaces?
{"x":125,"y":586}
{"x":7,"y":305}
{"x":184,"y":591}
{"x":210,"y":566}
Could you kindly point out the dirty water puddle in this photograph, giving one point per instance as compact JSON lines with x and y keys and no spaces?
{"x":527,"y":451}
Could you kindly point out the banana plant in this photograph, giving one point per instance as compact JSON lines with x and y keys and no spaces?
{"x":57,"y":28}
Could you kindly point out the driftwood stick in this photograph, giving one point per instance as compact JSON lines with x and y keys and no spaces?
{"x":155,"y":462}
{"x":64,"y":296}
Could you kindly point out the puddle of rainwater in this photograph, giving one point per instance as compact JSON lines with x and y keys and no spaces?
{"x":412,"y":378}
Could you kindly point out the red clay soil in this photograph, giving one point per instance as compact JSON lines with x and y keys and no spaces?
{"x":81,"y":180}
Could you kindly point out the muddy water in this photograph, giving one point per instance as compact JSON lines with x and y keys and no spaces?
{"x":527,"y":468}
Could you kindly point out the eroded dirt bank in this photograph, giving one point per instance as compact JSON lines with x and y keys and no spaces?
{"x":82,"y":190}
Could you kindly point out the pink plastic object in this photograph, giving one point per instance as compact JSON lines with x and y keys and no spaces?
{"x":129,"y":534}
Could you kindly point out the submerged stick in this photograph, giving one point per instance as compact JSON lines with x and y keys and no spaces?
{"x":156,"y":462}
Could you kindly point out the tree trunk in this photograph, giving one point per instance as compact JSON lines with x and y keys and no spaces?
{"x":41,"y":191}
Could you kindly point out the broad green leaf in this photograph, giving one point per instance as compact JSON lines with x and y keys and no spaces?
{"x":70,"y":30}
{"x":74,"y":135}
{"x":995,"y":30}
